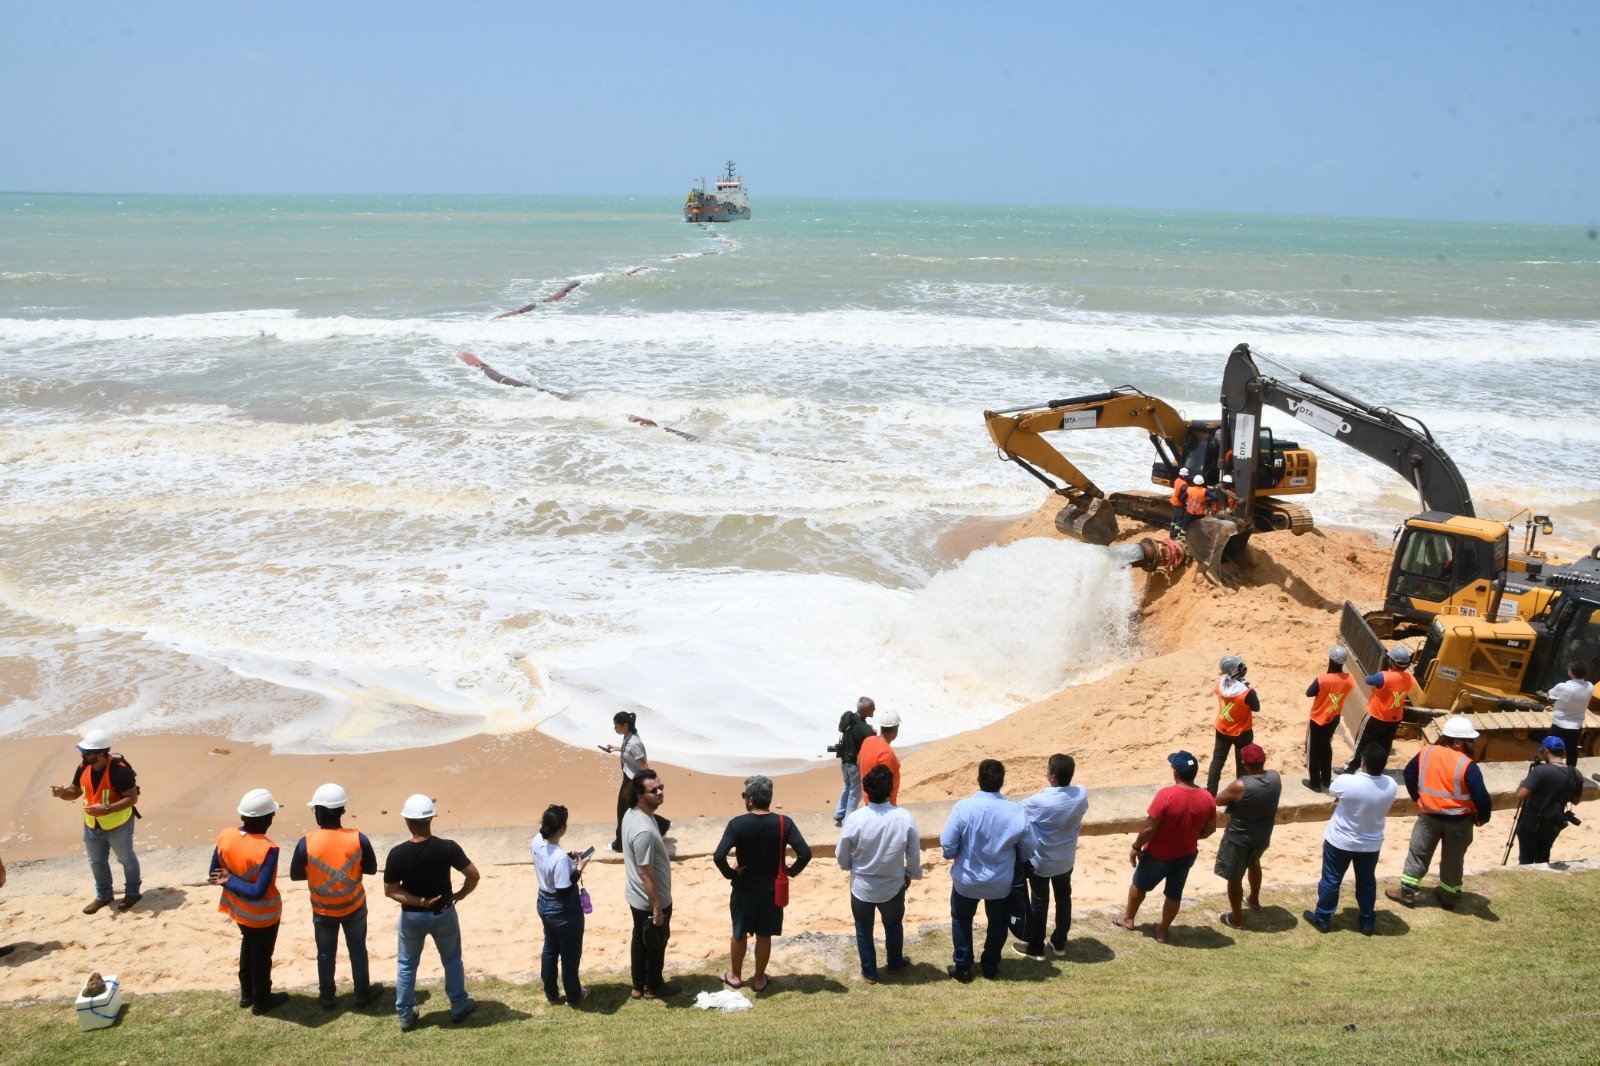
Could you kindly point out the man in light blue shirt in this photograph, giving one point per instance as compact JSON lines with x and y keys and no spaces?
{"x":882,"y":851}
{"x":982,"y":839}
{"x":1055,"y":816}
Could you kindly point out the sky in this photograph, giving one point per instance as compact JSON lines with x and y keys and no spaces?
{"x":1476,"y":111}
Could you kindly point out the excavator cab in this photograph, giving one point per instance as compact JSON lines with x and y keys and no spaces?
{"x":1444,"y":563}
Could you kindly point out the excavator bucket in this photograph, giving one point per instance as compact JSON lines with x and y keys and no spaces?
{"x":1094,"y":522}
{"x":1209,"y":539}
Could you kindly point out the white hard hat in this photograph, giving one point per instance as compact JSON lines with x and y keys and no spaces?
{"x":1198,"y":479}
{"x":418,"y":807}
{"x":95,"y":740}
{"x":1400,"y":655}
{"x":888,"y":719}
{"x":1227,"y":479}
{"x":1337,"y":654}
{"x":257,"y":803}
{"x":1456,"y":727}
{"x":329,"y":795}
{"x":1183,"y":471}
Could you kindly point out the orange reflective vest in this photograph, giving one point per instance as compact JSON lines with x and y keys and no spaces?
{"x":1233,"y":713}
{"x":333,"y":872}
{"x":103,"y":793}
{"x":1442,"y":781}
{"x":1388,"y":704}
{"x":242,"y":855}
{"x":1196,"y":500}
{"x":1178,"y":489}
{"x":1329,"y":700}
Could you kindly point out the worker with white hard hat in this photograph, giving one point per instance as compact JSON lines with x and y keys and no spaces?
{"x":1196,"y":500}
{"x":879,"y":751}
{"x":109,"y":789}
{"x":1328,"y":692}
{"x":1386,"y":707}
{"x":1448,"y":789}
{"x":245,"y":866}
{"x":331,"y":860}
{"x":416,"y":875}
{"x":1180,"y":486}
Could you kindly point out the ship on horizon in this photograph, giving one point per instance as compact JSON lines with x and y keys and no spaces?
{"x":726,"y":203}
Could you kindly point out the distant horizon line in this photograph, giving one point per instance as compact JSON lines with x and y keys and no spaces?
{"x":1593,"y":227}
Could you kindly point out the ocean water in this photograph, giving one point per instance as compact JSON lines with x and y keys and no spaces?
{"x":247,"y":487}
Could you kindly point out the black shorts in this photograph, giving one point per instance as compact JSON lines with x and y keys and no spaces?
{"x":754,"y":914}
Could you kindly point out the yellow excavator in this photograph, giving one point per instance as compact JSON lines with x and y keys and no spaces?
{"x":1206,"y":448}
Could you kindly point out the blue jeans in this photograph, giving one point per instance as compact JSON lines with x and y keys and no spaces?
{"x":100,"y":843}
{"x":563,"y":939}
{"x":326,"y":931}
{"x":415,"y":928}
{"x":997,"y":912}
{"x":850,"y":798}
{"x":1335,"y":861}
{"x":894,"y":913}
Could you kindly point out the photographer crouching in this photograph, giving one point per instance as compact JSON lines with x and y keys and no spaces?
{"x":1544,"y":794}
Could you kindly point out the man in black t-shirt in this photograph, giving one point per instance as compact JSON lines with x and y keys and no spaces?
{"x":109,"y":789}
{"x":754,"y":838}
{"x":416,"y":875}
{"x":1544,"y":794}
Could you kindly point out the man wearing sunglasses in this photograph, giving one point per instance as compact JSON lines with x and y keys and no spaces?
{"x":648,"y":888}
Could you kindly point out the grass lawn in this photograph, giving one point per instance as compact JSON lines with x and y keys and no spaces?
{"x":1510,"y":977}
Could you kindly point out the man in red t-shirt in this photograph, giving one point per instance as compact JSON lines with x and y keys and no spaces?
{"x":1181,"y":815}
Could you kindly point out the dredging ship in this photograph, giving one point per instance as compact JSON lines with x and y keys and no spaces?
{"x":725,"y":204}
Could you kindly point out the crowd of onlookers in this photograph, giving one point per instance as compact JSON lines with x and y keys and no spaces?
{"x":1013,"y":860}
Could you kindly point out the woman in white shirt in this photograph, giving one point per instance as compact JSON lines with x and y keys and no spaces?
{"x":1570,"y":708}
{"x":560,"y":907}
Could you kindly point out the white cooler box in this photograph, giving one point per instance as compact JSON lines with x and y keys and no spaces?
{"x":97,"y":1012}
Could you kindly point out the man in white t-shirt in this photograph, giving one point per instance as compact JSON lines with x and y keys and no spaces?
{"x":1354,"y":837}
{"x":1570,"y":708}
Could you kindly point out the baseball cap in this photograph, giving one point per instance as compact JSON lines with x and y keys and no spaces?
{"x":1183,"y":762}
{"x":1252,"y":753}
{"x":1554,"y":744}
{"x":888,"y":719}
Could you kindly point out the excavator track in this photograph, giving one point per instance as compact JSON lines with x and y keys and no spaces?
{"x":1274,"y":515}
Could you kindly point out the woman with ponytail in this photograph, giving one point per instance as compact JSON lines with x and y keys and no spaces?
{"x":560,"y":907}
{"x":633,"y":760}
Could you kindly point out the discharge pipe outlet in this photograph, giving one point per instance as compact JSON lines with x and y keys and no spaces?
{"x":1151,"y":554}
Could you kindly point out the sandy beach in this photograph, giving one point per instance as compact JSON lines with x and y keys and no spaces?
{"x":1119,"y":728}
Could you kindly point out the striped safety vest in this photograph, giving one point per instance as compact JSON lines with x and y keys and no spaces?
{"x":333,"y":872}
{"x":242,"y":855}
{"x":103,"y":793}
{"x":1442,"y":781}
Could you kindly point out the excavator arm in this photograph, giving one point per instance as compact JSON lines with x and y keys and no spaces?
{"x":1017,"y":432}
{"x":1398,"y":441}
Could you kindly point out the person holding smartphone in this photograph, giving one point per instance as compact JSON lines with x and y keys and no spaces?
{"x":633,"y":757}
{"x":560,"y":907}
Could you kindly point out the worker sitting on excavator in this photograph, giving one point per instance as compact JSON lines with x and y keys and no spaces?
{"x":1180,"y":486}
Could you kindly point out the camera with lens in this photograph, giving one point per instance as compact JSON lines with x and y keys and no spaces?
{"x":1570,"y":818}
{"x":833,"y":749}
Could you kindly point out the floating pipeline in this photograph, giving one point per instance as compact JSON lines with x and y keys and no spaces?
{"x":560,"y":294}
{"x":639,"y":420}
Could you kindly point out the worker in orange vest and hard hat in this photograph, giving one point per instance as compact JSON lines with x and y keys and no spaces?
{"x":1237,"y":706}
{"x":1390,"y":687}
{"x":1328,"y":692}
{"x":1196,"y":500}
{"x":1448,"y":789}
{"x":332,"y":861}
{"x":109,"y":789}
{"x":245,"y":864}
{"x":1180,"y":485}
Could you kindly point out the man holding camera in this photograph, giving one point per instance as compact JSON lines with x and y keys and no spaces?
{"x":1544,"y":794}
{"x":853,"y":729}
{"x":1448,"y":789}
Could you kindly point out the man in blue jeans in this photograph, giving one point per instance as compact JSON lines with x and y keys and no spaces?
{"x":109,"y":789}
{"x":416,"y":875}
{"x":853,"y":729}
{"x":332,"y":861}
{"x":881,"y":850}
{"x":981,"y":840}
{"x":1354,"y":837}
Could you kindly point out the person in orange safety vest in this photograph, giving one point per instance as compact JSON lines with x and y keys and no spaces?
{"x":331,"y":861}
{"x":109,"y":789}
{"x":1180,"y":486}
{"x":1451,"y":798}
{"x":245,"y":866}
{"x":1237,"y":706}
{"x":1386,"y":707}
{"x":1328,"y":693}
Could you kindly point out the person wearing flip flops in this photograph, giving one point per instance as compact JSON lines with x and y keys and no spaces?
{"x":760,"y":842}
{"x":1180,"y":816}
{"x":1252,"y":806}
{"x":109,"y":789}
